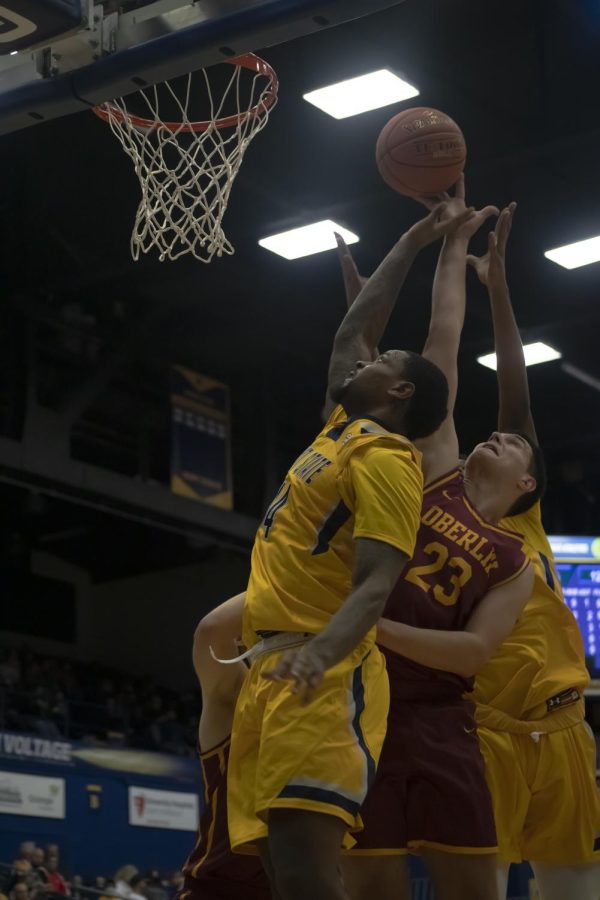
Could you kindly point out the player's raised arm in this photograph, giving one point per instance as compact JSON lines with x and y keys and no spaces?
{"x":514,"y":405}
{"x":440,"y":451}
{"x":463,"y":652}
{"x":220,"y":685}
{"x":354,"y":282}
{"x":366,"y":320}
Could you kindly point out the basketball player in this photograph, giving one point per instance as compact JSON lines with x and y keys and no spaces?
{"x":467,"y":584}
{"x":540,"y":754}
{"x":212,"y":871}
{"x":309,"y":723}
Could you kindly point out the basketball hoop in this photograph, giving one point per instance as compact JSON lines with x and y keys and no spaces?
{"x":186,"y":168}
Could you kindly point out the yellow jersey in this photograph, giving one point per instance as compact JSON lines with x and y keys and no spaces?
{"x":544,"y":655}
{"x":356,"y":480}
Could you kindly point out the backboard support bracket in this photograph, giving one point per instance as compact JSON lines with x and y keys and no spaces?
{"x":113,"y":52}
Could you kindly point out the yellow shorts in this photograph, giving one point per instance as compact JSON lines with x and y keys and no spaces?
{"x":544,"y":793}
{"x":320,"y":756}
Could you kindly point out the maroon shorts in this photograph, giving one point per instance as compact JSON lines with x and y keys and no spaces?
{"x":430,"y":789}
{"x":243,"y":877}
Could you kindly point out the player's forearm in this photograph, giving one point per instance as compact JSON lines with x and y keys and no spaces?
{"x":448,"y":308}
{"x":513,"y":385}
{"x":361,"y":612}
{"x":371,"y":311}
{"x":460,"y":652}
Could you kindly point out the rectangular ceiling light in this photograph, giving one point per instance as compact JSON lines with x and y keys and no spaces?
{"x":581,"y":253}
{"x":358,"y":95}
{"x":307,"y":240}
{"x":535,"y":353}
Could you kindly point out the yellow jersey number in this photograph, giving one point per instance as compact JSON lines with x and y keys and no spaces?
{"x":461,"y":572}
{"x":330,"y":526}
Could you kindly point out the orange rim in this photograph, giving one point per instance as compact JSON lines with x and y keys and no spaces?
{"x":249,"y":61}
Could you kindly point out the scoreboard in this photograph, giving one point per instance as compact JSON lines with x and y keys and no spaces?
{"x":578,"y":565}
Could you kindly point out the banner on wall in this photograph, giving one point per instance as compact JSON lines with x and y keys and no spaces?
{"x":28,"y":750}
{"x":200,"y":438}
{"x":163,"y":809}
{"x":32,"y":795}
{"x":36,"y":749}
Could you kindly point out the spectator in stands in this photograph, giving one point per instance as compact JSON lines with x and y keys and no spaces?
{"x":57,"y":698}
{"x":176,"y":883}
{"x":76,"y":887}
{"x":38,"y":877}
{"x":122,"y":878}
{"x":154,"y":886}
{"x":137,"y":886}
{"x":22,"y":863}
{"x":10,"y":668}
{"x":56,"y":881}
{"x":21,"y":891}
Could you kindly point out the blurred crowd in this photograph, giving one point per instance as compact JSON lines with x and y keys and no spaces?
{"x":36,"y":875}
{"x":57,"y":698}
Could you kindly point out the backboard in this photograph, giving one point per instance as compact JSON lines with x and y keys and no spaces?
{"x":59,"y":57}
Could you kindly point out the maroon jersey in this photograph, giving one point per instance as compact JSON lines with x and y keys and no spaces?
{"x":213,"y":871}
{"x":458,"y":558}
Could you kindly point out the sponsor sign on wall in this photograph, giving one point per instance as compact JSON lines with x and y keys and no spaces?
{"x":32,"y":795}
{"x":163,"y":809}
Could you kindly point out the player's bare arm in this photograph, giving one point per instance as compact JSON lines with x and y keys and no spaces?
{"x":220,"y":685}
{"x":354,"y":282}
{"x":463,"y":652}
{"x":377,"y":567}
{"x":514,"y":407}
{"x":366,"y":320}
{"x":441,"y":450}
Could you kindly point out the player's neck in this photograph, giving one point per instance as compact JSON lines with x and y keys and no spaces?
{"x":488,"y":501}
{"x":381,"y":415}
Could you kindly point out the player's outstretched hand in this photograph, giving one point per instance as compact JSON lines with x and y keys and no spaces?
{"x":303,"y":667}
{"x":455,"y":205}
{"x":444,"y":219}
{"x":490,"y":267}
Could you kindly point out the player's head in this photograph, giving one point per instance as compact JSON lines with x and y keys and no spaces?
{"x":402,"y":388}
{"x":515,"y":465}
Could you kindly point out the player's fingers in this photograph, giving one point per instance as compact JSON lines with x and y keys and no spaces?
{"x":488,"y":211}
{"x":472,"y":260}
{"x":279,"y":673}
{"x":507,"y":225}
{"x":492,"y":242}
{"x":459,"y":188}
{"x":460,"y":219}
{"x":312,"y":682}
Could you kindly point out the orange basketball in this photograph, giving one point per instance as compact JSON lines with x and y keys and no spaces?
{"x":421,"y":152}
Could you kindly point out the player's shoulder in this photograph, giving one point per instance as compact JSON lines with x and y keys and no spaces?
{"x":448,"y":486}
{"x":366,"y":439}
{"x":531,"y":519}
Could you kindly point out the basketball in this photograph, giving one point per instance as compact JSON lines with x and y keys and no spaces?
{"x":421,"y":152}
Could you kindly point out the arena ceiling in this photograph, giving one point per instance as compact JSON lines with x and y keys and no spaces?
{"x":520,"y":78}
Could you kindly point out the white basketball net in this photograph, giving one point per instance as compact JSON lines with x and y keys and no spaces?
{"x":186,"y":169}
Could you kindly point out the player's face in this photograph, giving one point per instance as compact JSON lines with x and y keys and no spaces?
{"x":507,"y":456}
{"x":377,"y":383}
